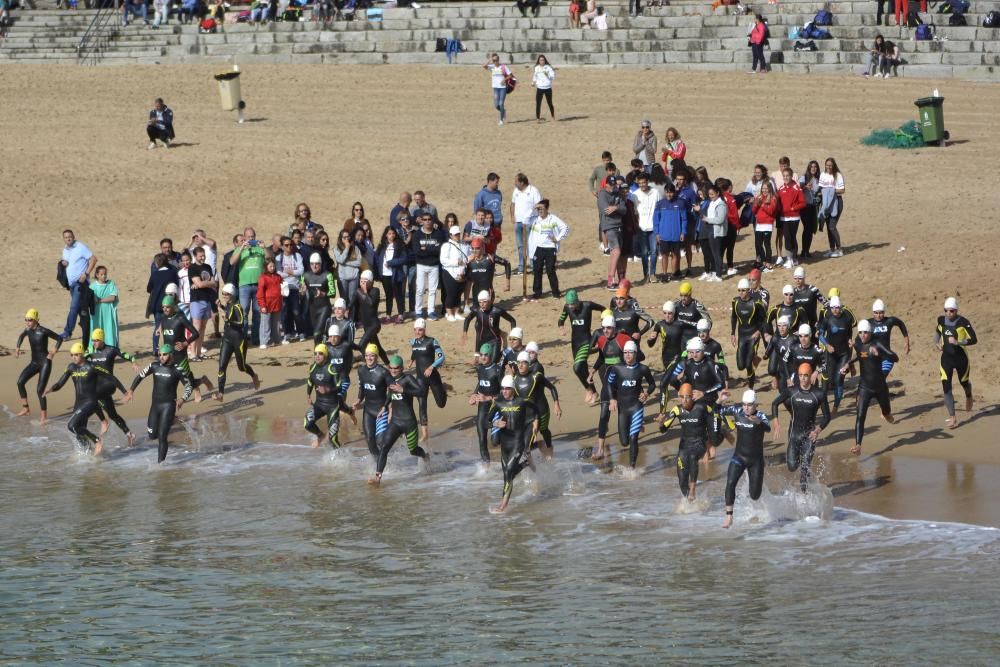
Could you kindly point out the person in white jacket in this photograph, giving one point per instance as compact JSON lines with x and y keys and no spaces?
{"x":645,"y":198}
{"x":545,"y":233}
{"x":717,"y":217}
{"x":454,"y":258}
{"x":542,"y":79}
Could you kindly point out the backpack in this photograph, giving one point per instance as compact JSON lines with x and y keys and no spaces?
{"x":243,"y":17}
{"x":957,"y":19}
{"x":992,"y":20}
{"x":923,"y":33}
{"x":207,"y":25}
{"x":813,"y":32}
{"x":823,"y":17}
{"x":440,"y":45}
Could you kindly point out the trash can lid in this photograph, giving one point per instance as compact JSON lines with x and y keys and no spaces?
{"x":226,"y":76}
{"x":930,"y":102}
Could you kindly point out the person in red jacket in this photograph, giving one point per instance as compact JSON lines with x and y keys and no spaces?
{"x":766,"y":208}
{"x":758,"y":35}
{"x":269,"y":298}
{"x":732,"y":222}
{"x":673,"y":149}
{"x":792,"y":203}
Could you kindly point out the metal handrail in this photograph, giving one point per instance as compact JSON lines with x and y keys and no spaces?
{"x":102,"y":28}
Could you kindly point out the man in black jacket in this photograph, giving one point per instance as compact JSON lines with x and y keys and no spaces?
{"x":160,"y":125}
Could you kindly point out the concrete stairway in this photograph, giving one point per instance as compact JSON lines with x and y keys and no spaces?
{"x":686,"y":35}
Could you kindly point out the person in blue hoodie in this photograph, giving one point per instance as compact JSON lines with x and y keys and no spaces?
{"x":670,"y":219}
{"x":687,"y":194}
{"x":490,"y":198}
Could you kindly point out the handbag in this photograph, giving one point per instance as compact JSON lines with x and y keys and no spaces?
{"x":509,"y":80}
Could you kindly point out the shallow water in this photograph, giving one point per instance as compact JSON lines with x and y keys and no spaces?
{"x":261,"y":553}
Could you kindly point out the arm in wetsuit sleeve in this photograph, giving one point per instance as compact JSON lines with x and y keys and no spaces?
{"x":504,"y":315}
{"x":438,"y":355}
{"x":611,"y":384}
{"x":764,"y":423}
{"x":671,"y":417}
{"x":964,"y":326}
{"x":331,"y":285}
{"x":645,"y":319}
{"x":650,"y":382}
{"x":824,"y":407}
{"x":563,"y":316}
{"x":899,"y":323}
{"x":20,"y":338}
{"x":732,"y":318}
{"x":188,"y":385}
{"x":138,"y":378}
{"x":468,"y":319}
{"x":779,"y":400}
{"x":61,"y":381}
{"x":886,"y":353}
{"x":546,"y":384}
{"x":504,"y":263}
{"x":703,"y":312}
{"x":59,"y":341}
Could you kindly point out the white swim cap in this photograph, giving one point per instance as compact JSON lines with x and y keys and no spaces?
{"x":315,"y":258}
{"x":750,"y":396}
{"x":800,"y":272}
{"x":788,"y":289}
{"x":608,"y":321}
{"x":743,"y":284}
{"x":668,"y":306}
{"x":171,"y":289}
{"x":835,"y":302}
{"x":879,"y":305}
{"x":784,"y":320}
{"x":805,"y":330}
{"x":334,"y":330}
{"x":229,"y":289}
{"x":864,"y":325}
{"x":695,"y":344}
{"x":516,"y":332}
{"x":522,"y":356}
{"x":531,"y":347}
{"x":631,"y":346}
{"x":703,"y":325}
{"x":951,"y":302}
{"x":483,"y":296}
{"x":367,"y":275}
{"x":339,"y":303}
{"x":420,"y":323}
{"x":507,"y":382}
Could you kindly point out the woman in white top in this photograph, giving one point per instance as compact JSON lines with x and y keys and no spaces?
{"x":542,"y":81}
{"x":831,"y":190}
{"x":498,"y":81}
{"x":453,"y":260}
{"x":716,"y":217}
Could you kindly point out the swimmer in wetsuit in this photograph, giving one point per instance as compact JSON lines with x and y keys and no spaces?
{"x":488,"y":377}
{"x":882,"y":326}
{"x":628,"y":397}
{"x":403,"y":389}
{"x":328,"y":383}
{"x":869,"y":355}
{"x":750,"y":425}
{"x":234,"y":340}
{"x":707,"y":381}
{"x":580,"y":314}
{"x":747,"y":322}
{"x":530,"y":385}
{"x":609,"y":344}
{"x":688,"y":311}
{"x":629,"y":318}
{"x":178,"y":332}
{"x":364,"y":310}
{"x":373,"y":388}
{"x":341,"y":357}
{"x":427,"y":356}
{"x":670,"y":331}
{"x":778,"y":353}
{"x":954,"y":333}
{"x":481,"y":269}
{"x":103,"y":357}
{"x":340,"y":318}
{"x":487,"y":316}
{"x":515,"y":424}
{"x":697,"y":426}
{"x":806,"y":296}
{"x":40,"y":364}
{"x":785,"y":308}
{"x":317,"y":287}
{"x":165,"y":403}
{"x":804,"y":402}
{"x":835,"y":331}
{"x":85,"y":378}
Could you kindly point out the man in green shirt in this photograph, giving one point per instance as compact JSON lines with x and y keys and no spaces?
{"x":249,"y":264}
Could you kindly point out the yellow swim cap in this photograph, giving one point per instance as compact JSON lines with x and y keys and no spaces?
{"x":32,"y":314}
{"x":834,"y":291}
{"x":77,"y":348}
{"x":606,"y":313}
{"x":321,"y":348}
{"x":371,"y":348}
{"x":685,"y":289}
{"x":97,"y":334}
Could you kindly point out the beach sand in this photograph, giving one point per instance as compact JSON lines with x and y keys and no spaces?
{"x":916,"y":226}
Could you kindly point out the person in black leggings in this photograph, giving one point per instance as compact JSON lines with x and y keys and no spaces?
{"x":868,"y":354}
{"x":954,"y":333}
{"x":364,"y":312}
{"x":40,"y":364}
{"x":515,"y":424}
{"x":103,"y":357}
{"x":488,"y":376}
{"x":165,"y":403}
{"x":427,"y":355}
{"x":750,"y":425}
{"x":804,"y":402}
{"x":234,"y":340}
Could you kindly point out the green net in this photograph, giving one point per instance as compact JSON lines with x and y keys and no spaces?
{"x":908,"y":135}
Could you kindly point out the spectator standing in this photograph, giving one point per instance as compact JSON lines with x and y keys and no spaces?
{"x":402,"y":206}
{"x":498,"y":83}
{"x":290,"y":268}
{"x":644,"y":145}
{"x":670,"y":224}
{"x":79,"y":264}
{"x":490,"y":198}
{"x":421,"y":205}
{"x":160,"y":126}
{"x":454,"y":258}
{"x":673,"y":148}
{"x":228,"y":269}
{"x":765,"y":210}
{"x":348,"y":260}
{"x":390,"y":268}
{"x":831,"y":189}
{"x":542,"y":79}
{"x":716,"y":219}
{"x":809,"y":183}
{"x":426,"y":248}
{"x":545,"y":232}
{"x":600,"y":173}
{"x":105,"y":297}
{"x":357,"y":217}
{"x":184,"y":285}
{"x":687,"y":194}
{"x":522,"y":206}
{"x":323,"y":248}
{"x":162,"y":276}
{"x":645,"y":199}
{"x":204,"y":289}
{"x":250,"y":262}
{"x":302,"y":220}
{"x":611,"y":208}
{"x":758,"y":35}
{"x":365,"y":248}
{"x":269,"y":297}
{"x":792,"y":202}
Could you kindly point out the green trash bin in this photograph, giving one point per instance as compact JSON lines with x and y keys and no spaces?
{"x":931,"y":111}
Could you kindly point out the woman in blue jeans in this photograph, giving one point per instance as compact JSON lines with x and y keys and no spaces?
{"x":758,"y":36}
{"x":498,"y":81}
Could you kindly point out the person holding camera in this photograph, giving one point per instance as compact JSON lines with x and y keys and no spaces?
{"x":160,"y":126}
{"x":249,"y":265}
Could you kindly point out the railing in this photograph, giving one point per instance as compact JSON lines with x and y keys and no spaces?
{"x":103,"y":27}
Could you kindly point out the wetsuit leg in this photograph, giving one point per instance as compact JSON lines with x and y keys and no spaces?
{"x":793,"y":455}
{"x":755,"y":471}
{"x":483,"y":428}
{"x":512,"y":457}
{"x":389,"y":438}
{"x":835,"y":361}
{"x":161,"y":418}
{"x":865,"y":397}
{"x":332,"y":411}
{"x":882,"y":395}
{"x":317,"y":316}
{"x":687,"y":466}
{"x":77,"y":424}
{"x":736,"y":468}
{"x":602,"y":422}
{"x":43,"y":380}
{"x":225,"y":355}
{"x":437,"y":389}
{"x":543,"y":425}
{"x":746,"y":349}
{"x":368,"y":419}
{"x":629,"y":424}
{"x":580,"y":366}
{"x":312,"y":416}
{"x":422,"y":403}
{"x":106,"y":402}
{"x":30,"y":371}
{"x":808,"y":448}
{"x":241,"y":358}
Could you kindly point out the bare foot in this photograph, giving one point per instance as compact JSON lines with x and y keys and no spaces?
{"x":728,"y":521}
{"x":951,"y":422}
{"x":315,"y":443}
{"x":104,"y":427}
{"x":208,"y":383}
{"x":218,"y":396}
{"x":24,"y":411}
{"x":354,"y":419}
{"x":256,"y":381}
{"x":197,"y":396}
{"x":968,"y":403}
{"x":597,"y":455}
{"x":375,"y":479}
{"x":889,"y":419}
{"x":856,"y":449}
{"x":711,"y":452}
{"x":44,"y":418}
{"x":691,"y":496}
{"x":131,"y":438}
{"x":98,"y":447}
{"x":502,"y":507}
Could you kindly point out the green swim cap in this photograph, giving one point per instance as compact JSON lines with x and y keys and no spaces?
{"x":571,"y":297}
{"x":169,"y":300}
{"x":396,"y":361}
{"x":486,"y":348}
{"x":166,"y":349}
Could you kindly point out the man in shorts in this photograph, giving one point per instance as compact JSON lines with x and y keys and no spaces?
{"x":611,"y":208}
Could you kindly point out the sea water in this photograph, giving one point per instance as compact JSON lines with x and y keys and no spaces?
{"x":247,"y":547}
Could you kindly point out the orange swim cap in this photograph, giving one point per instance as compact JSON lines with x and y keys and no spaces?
{"x":805,"y":368}
{"x":685,"y":388}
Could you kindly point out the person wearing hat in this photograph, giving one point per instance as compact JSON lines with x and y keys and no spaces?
{"x":804,"y":402}
{"x":609,"y":343}
{"x":488,"y":378}
{"x":713,"y":351}
{"x":317,"y":287}
{"x":515,"y":346}
{"x":545,"y":232}
{"x":234,"y":339}
{"x":835,"y":333}
{"x":644,"y":145}
{"x":671,"y":333}
{"x":403,"y":388}
{"x":697,"y":423}
{"x":778,"y":352}
{"x":869,"y":354}
{"x":807,"y":297}
{"x":701,"y":372}
{"x":628,"y":396}
{"x":515,"y":424}
{"x":954,"y":333}
{"x":164,"y":404}
{"x":40,"y":364}
{"x":750,"y":424}
{"x":612,"y":208}
{"x":454,"y":261}
{"x":689,"y":310}
{"x":481,"y":269}
{"x":427,"y":356}
{"x":629,"y":317}
{"x":531,"y":385}
{"x":326,"y":379}
{"x":373,"y":392}
{"x":178,"y":332}
{"x":487,"y":315}
{"x":340,"y":353}
{"x":85,"y":377}
{"x":757,"y":291}
{"x":103,"y":358}
{"x":747,"y":323}
{"x":882,"y":326}
{"x":364,"y":311}
{"x":580,"y":315}
{"x":788,"y":309}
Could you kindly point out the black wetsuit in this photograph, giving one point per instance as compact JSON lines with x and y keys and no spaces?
{"x":426,"y":353}
{"x":104,"y":361}
{"x":327,"y":403}
{"x":697,"y":429}
{"x":480,"y":272}
{"x":531,"y":387}
{"x":40,"y":364}
{"x":688,"y":315}
{"x":373,"y":389}
{"x":807,"y":298}
{"x":873,"y":384}
{"x":761,"y":294}
{"x":671,"y":334}
{"x":704,"y":376}
{"x":508,"y":359}
{"x":488,"y":384}
{"x":625,"y":383}
{"x":632,"y":321}
{"x":488,"y":326}
{"x":580,"y":316}
{"x":234,"y":344}
{"x":804,"y":406}
{"x":177,"y":328}
{"x":610,"y":351}
{"x":882,"y":333}
{"x":835,"y":330}
{"x":778,"y":353}
{"x":319,"y":289}
{"x":85,"y":380}
{"x":364,"y":309}
{"x":163,"y":407}
{"x":348,"y":330}
{"x":402,"y":422}
{"x":748,"y":321}
{"x":513,"y":437}
{"x":749,"y":453}
{"x":954,"y":359}
{"x":796,"y":318}
{"x":341,"y":358}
